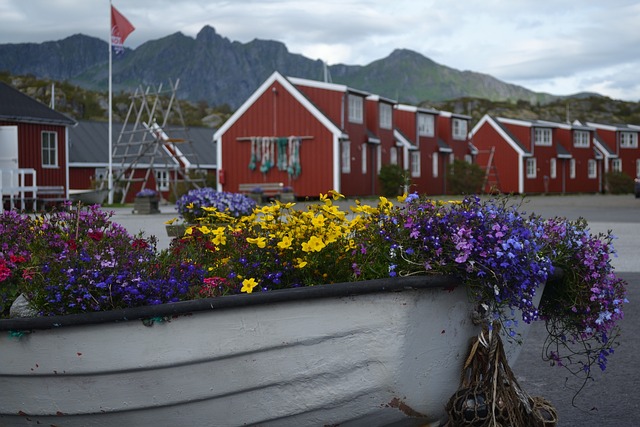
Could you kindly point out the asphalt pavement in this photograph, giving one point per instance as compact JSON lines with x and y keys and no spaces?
{"x":608,"y":400}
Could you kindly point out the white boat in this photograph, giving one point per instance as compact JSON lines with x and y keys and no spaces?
{"x":89,"y":197}
{"x":374,"y":353}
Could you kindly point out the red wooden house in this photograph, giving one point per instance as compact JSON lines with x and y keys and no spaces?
{"x":430,"y":140}
{"x":535,"y":156}
{"x":306,"y":134}
{"x":33,"y":148}
{"x":619,"y":146}
{"x":381,"y":141}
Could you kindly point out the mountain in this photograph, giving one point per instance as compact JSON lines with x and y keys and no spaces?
{"x":213,"y":69}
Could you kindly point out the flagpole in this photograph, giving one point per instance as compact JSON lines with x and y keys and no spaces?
{"x":110,"y":172}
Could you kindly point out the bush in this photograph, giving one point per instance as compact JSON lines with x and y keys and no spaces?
{"x":464,"y":177}
{"x":618,"y":183}
{"x":393,"y":179}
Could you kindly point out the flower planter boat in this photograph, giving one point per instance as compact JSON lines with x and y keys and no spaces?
{"x":89,"y":197}
{"x":381,"y":352}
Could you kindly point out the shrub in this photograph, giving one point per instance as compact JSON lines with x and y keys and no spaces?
{"x":618,"y":183}
{"x":393,"y":180}
{"x":464,"y":177}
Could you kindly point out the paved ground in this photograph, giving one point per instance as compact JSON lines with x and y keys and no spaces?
{"x":610,"y":400}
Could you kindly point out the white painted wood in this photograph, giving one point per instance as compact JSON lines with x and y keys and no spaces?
{"x":375,"y":359}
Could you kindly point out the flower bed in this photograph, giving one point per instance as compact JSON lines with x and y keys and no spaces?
{"x":74,"y":262}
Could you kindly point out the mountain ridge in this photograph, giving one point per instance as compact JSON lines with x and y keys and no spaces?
{"x":220,"y":71}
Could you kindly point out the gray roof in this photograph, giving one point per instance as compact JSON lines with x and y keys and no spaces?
{"x":89,"y":144}
{"x":17,"y":107}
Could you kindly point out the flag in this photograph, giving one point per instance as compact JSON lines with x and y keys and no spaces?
{"x":120,"y":30}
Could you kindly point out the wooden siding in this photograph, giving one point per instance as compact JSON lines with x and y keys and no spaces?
{"x":506,"y":159}
{"x":30,"y":152}
{"x":279,"y":114}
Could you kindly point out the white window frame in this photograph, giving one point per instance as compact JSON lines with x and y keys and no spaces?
{"x":415,"y":164}
{"x":345,"y":156}
{"x":532,"y":167}
{"x":378,"y":158}
{"x":162,"y":179}
{"x":356,"y":113}
{"x":616,"y":165}
{"x":364,"y":150}
{"x":393,"y":155}
{"x":581,"y":138}
{"x":542,"y":137}
{"x":637,"y":168}
{"x":572,"y":168}
{"x":434,"y":165}
{"x":49,"y":149}
{"x":385,"y":116}
{"x":553,"y":168}
{"x":426,"y":124}
{"x":592,"y":169}
{"x":628,"y":140}
{"x":459,"y":129}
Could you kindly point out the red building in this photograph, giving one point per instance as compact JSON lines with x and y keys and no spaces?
{"x":430,"y":141}
{"x":536,"y":156}
{"x":33,"y":147}
{"x":309,"y":135}
{"x":619,"y":147}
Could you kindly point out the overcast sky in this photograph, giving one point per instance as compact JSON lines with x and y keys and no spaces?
{"x":556,"y":46}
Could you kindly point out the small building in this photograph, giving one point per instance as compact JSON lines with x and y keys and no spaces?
{"x":89,"y":158}
{"x":619,"y":146}
{"x":33,"y":149}
{"x":537,"y":156}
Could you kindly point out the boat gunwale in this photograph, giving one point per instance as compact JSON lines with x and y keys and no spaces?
{"x":335,"y":290}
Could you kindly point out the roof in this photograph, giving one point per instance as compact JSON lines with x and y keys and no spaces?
{"x":89,"y":144}
{"x":17,"y":107}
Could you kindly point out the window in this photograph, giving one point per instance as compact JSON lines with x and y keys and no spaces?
{"x":581,"y":138}
{"x":459,"y":129}
{"x":162,"y":180}
{"x":531,"y":168}
{"x":542,"y":136}
{"x":592,"y":169}
{"x":628,"y":140}
{"x":468,"y":158}
{"x":616,"y":165}
{"x":434,"y":165}
{"x":415,"y":164}
{"x":637,"y":168}
{"x":393,"y":155}
{"x":572,"y":168}
{"x":355,"y":109}
{"x":345,"y":156}
{"x":552,"y":168}
{"x":49,"y":149}
{"x":385,"y":116}
{"x":425,"y":125}
{"x":364,"y":158}
{"x":378,"y":158}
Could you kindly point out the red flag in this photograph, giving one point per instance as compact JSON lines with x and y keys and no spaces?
{"x":120,"y":30}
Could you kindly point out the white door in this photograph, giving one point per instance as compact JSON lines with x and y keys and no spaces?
{"x":8,"y":155}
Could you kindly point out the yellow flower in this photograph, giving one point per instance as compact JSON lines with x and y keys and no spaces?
{"x":248,"y":285}
{"x":314,"y":244}
{"x":318,"y":221}
{"x":336,"y":195}
{"x":261,"y":242}
{"x":403,"y":197}
{"x":171,"y":221}
{"x":285,"y":243}
{"x":300,"y":263}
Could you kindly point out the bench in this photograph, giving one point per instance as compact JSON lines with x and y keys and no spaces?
{"x":49,"y":194}
{"x":262,"y":189}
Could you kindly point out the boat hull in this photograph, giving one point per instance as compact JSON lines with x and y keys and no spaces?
{"x":89,"y":197}
{"x":385,"y":352}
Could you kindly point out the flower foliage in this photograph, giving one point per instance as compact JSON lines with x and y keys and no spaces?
{"x":147,"y":192}
{"x":190,"y":205}
{"x":78,"y":261}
